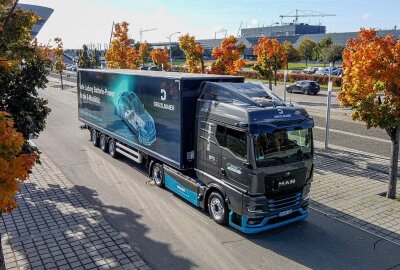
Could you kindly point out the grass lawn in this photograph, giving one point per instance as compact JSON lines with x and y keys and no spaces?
{"x":301,"y":66}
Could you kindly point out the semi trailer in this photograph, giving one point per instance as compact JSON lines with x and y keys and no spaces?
{"x":232,"y":148}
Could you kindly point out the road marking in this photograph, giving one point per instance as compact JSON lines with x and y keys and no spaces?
{"x":353,"y":134}
{"x":355,"y":226}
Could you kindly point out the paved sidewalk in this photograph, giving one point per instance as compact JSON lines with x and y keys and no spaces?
{"x":55,"y":227}
{"x":348,"y":185}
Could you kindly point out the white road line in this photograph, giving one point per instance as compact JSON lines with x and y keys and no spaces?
{"x":348,"y":223}
{"x":355,"y":135}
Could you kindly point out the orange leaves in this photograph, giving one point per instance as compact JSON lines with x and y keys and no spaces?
{"x":122,"y":54}
{"x":372,"y":68}
{"x":160,"y":58}
{"x":14,"y":167}
{"x":270,"y":51}
{"x":193,"y":52}
{"x":144,"y":52}
{"x":228,"y":59}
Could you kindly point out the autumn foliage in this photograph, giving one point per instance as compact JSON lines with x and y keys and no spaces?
{"x":271,"y":56}
{"x":122,"y":55}
{"x":160,"y":58}
{"x":14,"y":166}
{"x":228,"y":59}
{"x":193,"y":52}
{"x":371,"y":87}
{"x":144,"y":52}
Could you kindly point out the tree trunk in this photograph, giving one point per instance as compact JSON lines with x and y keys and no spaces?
{"x":394,"y":134}
{"x":306,"y":62}
{"x":270,"y":83}
{"x":202,"y":65}
{"x":275,"y":77}
{"x":62,"y":85}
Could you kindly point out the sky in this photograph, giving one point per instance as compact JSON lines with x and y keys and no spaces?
{"x":80,"y":22}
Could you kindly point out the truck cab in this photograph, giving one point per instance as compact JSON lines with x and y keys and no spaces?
{"x":257,"y":152}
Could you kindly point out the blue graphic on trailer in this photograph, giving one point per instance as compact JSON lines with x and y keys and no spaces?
{"x":132,"y":110}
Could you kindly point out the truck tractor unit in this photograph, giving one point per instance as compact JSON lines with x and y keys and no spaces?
{"x":232,"y":148}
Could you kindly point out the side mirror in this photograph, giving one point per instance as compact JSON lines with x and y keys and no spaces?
{"x":248,"y":165}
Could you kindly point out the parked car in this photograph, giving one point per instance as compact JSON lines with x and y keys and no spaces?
{"x":310,"y":70}
{"x":337,"y":72}
{"x":154,"y":68}
{"x":306,"y":87}
{"x":295,"y":72}
{"x":132,"y":110}
{"x":144,"y":68}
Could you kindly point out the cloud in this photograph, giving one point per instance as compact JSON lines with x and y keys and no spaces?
{"x":365,"y":16}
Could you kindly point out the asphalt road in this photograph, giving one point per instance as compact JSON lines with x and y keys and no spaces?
{"x":171,"y":234}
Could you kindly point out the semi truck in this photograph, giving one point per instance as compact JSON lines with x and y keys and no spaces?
{"x":230,"y":147}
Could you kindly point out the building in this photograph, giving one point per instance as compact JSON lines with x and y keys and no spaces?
{"x":43,"y":12}
{"x":284,"y":30}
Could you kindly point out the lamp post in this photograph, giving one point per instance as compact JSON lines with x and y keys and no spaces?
{"x":170,"y":51}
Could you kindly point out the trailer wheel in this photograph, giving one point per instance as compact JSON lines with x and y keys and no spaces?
{"x":157,"y":174}
{"x":217,"y":208}
{"x":103,"y":142}
{"x":95,"y":137}
{"x":112,"y":148}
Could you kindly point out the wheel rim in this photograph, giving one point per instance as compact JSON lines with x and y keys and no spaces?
{"x":112,"y":148}
{"x":157,"y":177}
{"x":217,"y":209}
{"x":94,"y":137}
{"x":102,"y":142}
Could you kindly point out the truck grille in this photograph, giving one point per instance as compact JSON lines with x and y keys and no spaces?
{"x":286,"y":202}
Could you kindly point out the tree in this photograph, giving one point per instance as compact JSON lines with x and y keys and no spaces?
{"x":122,"y":54}
{"x":271,"y":56}
{"x":144,"y":52}
{"x":59,"y":54}
{"x":371,"y":87}
{"x":228,"y":59}
{"x":193,"y":52}
{"x":25,"y":73}
{"x":14,"y":164}
{"x":306,"y":48}
{"x":293,"y":55}
{"x":84,"y":59}
{"x":160,"y":58}
{"x":95,"y":59}
{"x":321,"y":47}
{"x":333,"y":53}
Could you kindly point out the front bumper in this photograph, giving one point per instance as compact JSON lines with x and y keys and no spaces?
{"x":268,"y":223}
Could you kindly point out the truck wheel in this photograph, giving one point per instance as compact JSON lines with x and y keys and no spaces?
{"x":217,"y":208}
{"x":95,"y":137}
{"x":103,"y":142}
{"x":157,"y":174}
{"x":112,"y":148}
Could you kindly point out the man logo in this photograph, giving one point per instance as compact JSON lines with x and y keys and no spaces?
{"x":280,"y":111}
{"x":286,"y":183}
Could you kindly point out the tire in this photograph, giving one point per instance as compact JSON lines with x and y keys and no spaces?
{"x":157,"y":174}
{"x":94,"y":137}
{"x":112,"y":148}
{"x":218,"y":209}
{"x":103,"y":142}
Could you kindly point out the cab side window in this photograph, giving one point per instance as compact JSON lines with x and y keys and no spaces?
{"x":234,"y":140}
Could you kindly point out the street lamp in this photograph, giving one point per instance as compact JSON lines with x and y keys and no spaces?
{"x":170,"y":51}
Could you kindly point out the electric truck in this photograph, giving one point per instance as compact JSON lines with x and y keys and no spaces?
{"x":232,"y":148}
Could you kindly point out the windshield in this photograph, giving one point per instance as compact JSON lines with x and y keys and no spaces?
{"x":282,"y":146}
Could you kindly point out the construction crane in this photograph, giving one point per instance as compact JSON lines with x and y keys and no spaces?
{"x":304,"y":13}
{"x":144,"y":30}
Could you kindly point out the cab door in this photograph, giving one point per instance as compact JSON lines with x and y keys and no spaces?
{"x":234,"y":153}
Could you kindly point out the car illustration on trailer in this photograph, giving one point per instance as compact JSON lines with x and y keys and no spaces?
{"x":132,"y":110}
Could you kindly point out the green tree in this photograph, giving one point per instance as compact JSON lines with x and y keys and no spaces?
{"x":333,"y":53}
{"x":293,"y":55}
{"x":95,"y":59}
{"x":84,"y":59}
{"x":321,"y":47}
{"x":306,"y":48}
{"x":22,"y":73}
